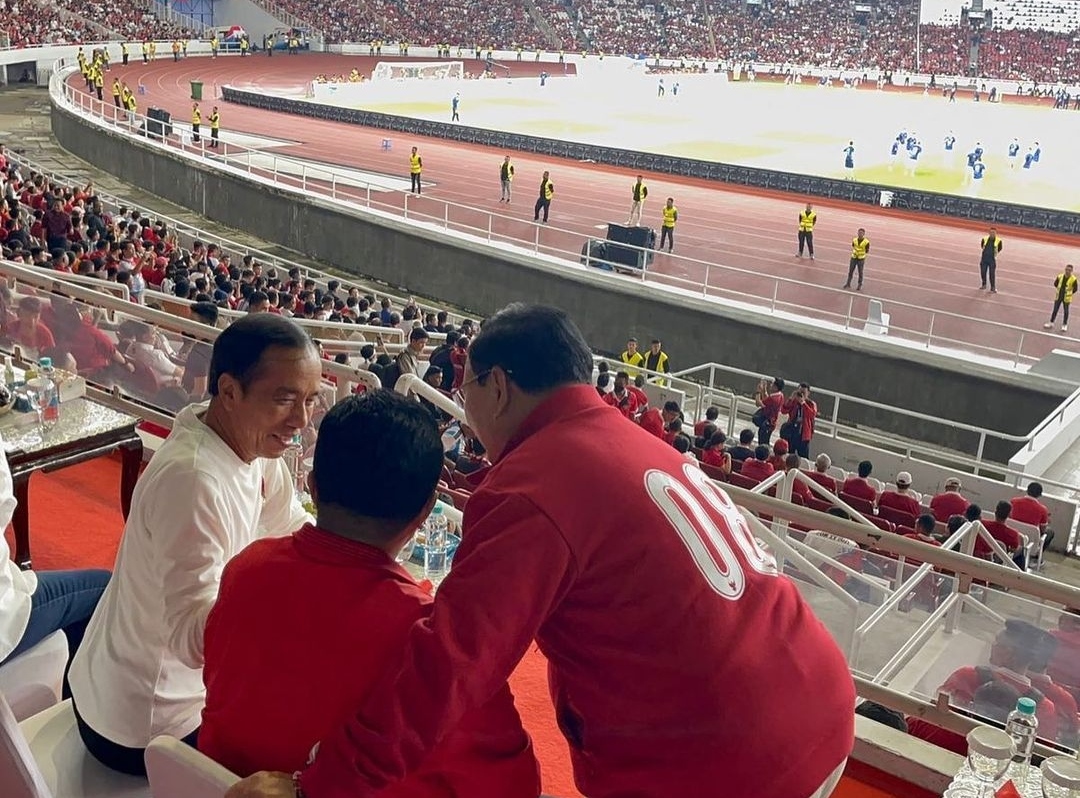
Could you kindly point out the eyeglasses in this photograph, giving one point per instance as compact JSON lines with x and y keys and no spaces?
{"x":459,"y":394}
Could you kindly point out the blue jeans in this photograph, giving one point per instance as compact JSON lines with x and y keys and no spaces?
{"x":63,"y":600}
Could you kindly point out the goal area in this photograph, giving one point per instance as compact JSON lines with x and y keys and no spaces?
{"x":418,"y":70}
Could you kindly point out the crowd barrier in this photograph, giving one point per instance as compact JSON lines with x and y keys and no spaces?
{"x":805,"y":185}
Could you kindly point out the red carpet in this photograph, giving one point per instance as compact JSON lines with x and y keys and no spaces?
{"x":76,"y":523}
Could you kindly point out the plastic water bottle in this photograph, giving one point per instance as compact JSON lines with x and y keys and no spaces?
{"x":48,"y":393}
{"x":435,"y":561}
{"x":1022,"y":726}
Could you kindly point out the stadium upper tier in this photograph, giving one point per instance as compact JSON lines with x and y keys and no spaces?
{"x":1031,"y":40}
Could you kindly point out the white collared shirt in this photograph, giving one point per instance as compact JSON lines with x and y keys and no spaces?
{"x":16,"y":586}
{"x":138,"y":673}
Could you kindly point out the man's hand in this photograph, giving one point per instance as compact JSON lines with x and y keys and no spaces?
{"x":264,"y":785}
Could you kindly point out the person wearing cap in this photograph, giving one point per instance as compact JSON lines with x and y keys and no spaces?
{"x":901,"y":498}
{"x":949,"y":502}
{"x":632,"y":357}
{"x":779,"y":454}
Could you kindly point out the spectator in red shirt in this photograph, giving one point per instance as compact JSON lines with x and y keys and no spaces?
{"x":537,"y":562}
{"x":652,"y":421}
{"x":1011,"y":654}
{"x":28,"y":330}
{"x":857,"y":485}
{"x":332,"y":585}
{"x":636,"y":387}
{"x":798,"y":487}
{"x":1068,"y":722}
{"x":621,"y":399}
{"x":1064,"y":667}
{"x":950,"y":502}
{"x":713,"y":453}
{"x":1028,"y":509}
{"x":769,"y":398}
{"x":758,"y":467}
{"x":1009,"y":538}
{"x":711,"y":414}
{"x":821,"y":465}
{"x":779,"y":455}
{"x":901,"y":498}
{"x":801,"y":411}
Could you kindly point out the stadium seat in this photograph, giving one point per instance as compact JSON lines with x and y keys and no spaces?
{"x":32,"y":682}
{"x":898,"y":517}
{"x":177,"y":770}
{"x":859,"y":504}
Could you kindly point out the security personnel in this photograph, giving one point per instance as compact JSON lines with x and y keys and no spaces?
{"x":667,"y":228}
{"x":990,"y":245}
{"x":1065,"y":285}
{"x":145,"y":52}
{"x":130,"y":103}
{"x":196,"y":122}
{"x":176,"y":50}
{"x":99,"y":81}
{"x":543,"y":202}
{"x":215,"y":127}
{"x":117,"y":91}
{"x":632,"y":358}
{"x":657,"y":360}
{"x":124,"y":53}
{"x":244,"y":46}
{"x":807,"y":220}
{"x":213,"y":46}
{"x":860,"y":248}
{"x":506,"y":178}
{"x":638,"y":192}
{"x":416,"y":166}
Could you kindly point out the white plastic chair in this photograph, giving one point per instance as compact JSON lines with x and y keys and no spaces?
{"x":63,"y":766}
{"x":877,"y":320}
{"x":33,"y":681}
{"x":177,"y":770}
{"x":837,"y":473}
{"x":877,"y":483}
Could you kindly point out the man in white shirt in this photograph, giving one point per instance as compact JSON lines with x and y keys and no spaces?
{"x":33,"y":606}
{"x":409,"y":359}
{"x":216,"y":484}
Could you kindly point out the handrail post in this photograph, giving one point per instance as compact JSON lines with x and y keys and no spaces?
{"x":490,"y":219}
{"x":446,"y":215}
{"x":1019,"y":350}
{"x":775,"y":292}
{"x":850,"y":311}
{"x":979,"y":453}
{"x":406,"y":210}
{"x":705,"y":283}
{"x":333,"y":185}
{"x":930,"y":332}
{"x":536,"y":238}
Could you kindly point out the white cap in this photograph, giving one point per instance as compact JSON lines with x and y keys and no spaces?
{"x":903,"y":478}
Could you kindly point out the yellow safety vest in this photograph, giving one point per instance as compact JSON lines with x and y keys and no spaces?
{"x":196,"y":117}
{"x":860,"y":248}
{"x":807,"y":221}
{"x":547,"y":189}
{"x":414,"y":164}
{"x":670,"y":214}
{"x":640,"y":192}
{"x":215,"y":121}
{"x":1070,"y":286}
{"x":116,"y":90}
{"x":635,"y":359}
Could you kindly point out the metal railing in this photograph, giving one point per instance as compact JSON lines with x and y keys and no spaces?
{"x":913,"y":326}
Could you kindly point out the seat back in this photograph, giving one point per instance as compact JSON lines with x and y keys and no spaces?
{"x":864,"y":506}
{"x":177,"y":770}
{"x":20,"y":776}
{"x":33,"y":681}
{"x":898,"y":517}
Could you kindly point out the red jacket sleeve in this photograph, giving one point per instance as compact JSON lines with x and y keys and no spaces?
{"x":512,"y":568}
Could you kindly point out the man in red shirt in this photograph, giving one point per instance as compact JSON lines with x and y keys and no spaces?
{"x":901,"y":499}
{"x":1068,"y":721}
{"x":857,"y":485}
{"x":758,"y":467}
{"x":821,"y":465}
{"x":949,"y":503}
{"x":1028,"y":509}
{"x":769,"y":398}
{"x":641,"y":717}
{"x":621,"y":399}
{"x":798,"y":487}
{"x":1008,"y":537}
{"x":1011,"y":654}
{"x":1064,"y":666}
{"x":348,"y":607}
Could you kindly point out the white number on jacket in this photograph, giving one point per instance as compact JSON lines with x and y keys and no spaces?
{"x":707,"y":544}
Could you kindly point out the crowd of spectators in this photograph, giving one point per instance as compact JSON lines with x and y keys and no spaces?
{"x":29,"y":23}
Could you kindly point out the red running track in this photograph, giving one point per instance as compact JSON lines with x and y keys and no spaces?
{"x":919,"y":260}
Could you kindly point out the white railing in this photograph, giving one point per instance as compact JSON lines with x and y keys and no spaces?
{"x":913,"y":326}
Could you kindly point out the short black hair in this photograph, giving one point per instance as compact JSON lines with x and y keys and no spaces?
{"x":746,"y":436}
{"x":882,"y":714}
{"x":1002,"y":511}
{"x":538,"y":346}
{"x":239,"y":349}
{"x":404,"y":457}
{"x":761,"y":453}
{"x":206,"y":312}
{"x":1034,"y":490}
{"x":865,"y":467}
{"x":681,"y":443}
{"x":926,"y":523}
{"x":973,"y":512}
{"x":712,"y":413}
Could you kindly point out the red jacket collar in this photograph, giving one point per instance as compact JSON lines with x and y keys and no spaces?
{"x":563,"y":402}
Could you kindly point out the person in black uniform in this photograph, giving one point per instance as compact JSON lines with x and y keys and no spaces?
{"x":991,"y":246}
{"x":543,"y":202}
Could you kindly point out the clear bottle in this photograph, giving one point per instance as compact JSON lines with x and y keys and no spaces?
{"x":435,"y":560}
{"x":1022,"y":726}
{"x":9,"y":372}
{"x":48,"y":393}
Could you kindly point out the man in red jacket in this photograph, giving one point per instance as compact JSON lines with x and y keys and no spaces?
{"x":305,"y":626}
{"x":684,"y":683}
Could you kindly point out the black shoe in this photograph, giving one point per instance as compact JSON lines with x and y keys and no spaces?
{"x":982,"y":287}
{"x":847,"y":285}
{"x":859,"y":288}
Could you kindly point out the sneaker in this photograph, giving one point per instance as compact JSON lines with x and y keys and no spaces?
{"x":1048,"y":325}
{"x":798,"y":254}
{"x":993,"y":290}
{"x":859,"y":288}
{"x":982,"y":287}
{"x":1064,"y":327}
{"x":811,"y":256}
{"x":847,"y":285}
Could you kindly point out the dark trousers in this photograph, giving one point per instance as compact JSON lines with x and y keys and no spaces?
{"x":806,"y":237}
{"x":543,"y":203}
{"x":63,"y":600}
{"x":99,"y":93}
{"x":214,"y":136}
{"x":855,"y":264}
{"x":118,"y":757}
{"x":125,"y":59}
{"x":116,"y":99}
{"x":195,"y":132}
{"x":1062,"y":305}
{"x":667,"y":234}
{"x":801,"y":448}
{"x":764,"y":433}
{"x":988,"y":268}
{"x":455,"y":117}
{"x":415,"y":181}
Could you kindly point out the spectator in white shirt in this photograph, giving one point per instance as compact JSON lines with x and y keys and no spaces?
{"x":409,"y":360}
{"x":147,"y":352}
{"x":34,"y":605}
{"x":216,"y":484}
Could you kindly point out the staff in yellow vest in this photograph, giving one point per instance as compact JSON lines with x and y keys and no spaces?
{"x":130,"y":103}
{"x":1065,"y":285}
{"x":632,"y":357}
{"x":99,"y":82}
{"x":667,"y":228}
{"x":215,"y":127}
{"x":176,"y":50}
{"x":860,"y":248}
{"x":213,"y":45}
{"x":416,"y":167}
{"x":990,"y":245}
{"x":117,"y":92}
{"x":196,"y":122}
{"x":543,"y":202}
{"x":807,"y":220}
{"x":638,"y":192}
{"x":506,"y":178}
{"x":124,"y":53}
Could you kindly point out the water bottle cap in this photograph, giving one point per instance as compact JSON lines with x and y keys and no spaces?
{"x":437,"y":509}
{"x":1026,"y":705}
{"x":45,"y":362}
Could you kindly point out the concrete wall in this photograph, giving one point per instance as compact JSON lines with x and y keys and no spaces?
{"x":484,"y":278}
